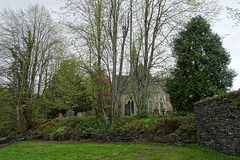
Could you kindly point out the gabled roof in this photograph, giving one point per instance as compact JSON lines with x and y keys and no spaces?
{"x":155,"y":85}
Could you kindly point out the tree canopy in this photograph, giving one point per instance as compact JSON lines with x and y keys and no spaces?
{"x":119,"y":34}
{"x":108,"y":40}
{"x":201,"y":66}
{"x":29,"y":48}
{"x":67,"y":91}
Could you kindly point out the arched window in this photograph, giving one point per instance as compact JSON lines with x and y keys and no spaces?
{"x":149,"y":106}
{"x":132,"y":106}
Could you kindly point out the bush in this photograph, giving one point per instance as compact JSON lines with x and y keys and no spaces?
{"x":152,"y":128}
{"x":182,"y":113}
{"x":143,"y":115}
{"x":67,"y":121}
{"x":187,"y":124}
{"x":46,"y":129}
{"x":58,"y":134}
{"x":47,"y":133}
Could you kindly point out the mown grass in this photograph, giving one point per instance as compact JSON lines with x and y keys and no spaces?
{"x":33,"y":150}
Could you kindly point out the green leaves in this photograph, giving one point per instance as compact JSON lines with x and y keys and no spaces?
{"x":67,"y":90}
{"x":201,"y":66}
{"x":7,"y":113}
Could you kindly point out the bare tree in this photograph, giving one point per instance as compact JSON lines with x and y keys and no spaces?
{"x":117,"y":19}
{"x":29,"y":44}
{"x":160,"y":21}
{"x":234,"y":14}
{"x":137,"y":31}
{"x":88,"y":31}
{"x":102,"y":30}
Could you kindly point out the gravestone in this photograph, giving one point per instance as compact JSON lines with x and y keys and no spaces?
{"x":81,"y":114}
{"x":70,"y":113}
{"x":60,"y":116}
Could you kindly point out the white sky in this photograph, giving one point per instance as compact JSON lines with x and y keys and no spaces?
{"x":230,"y":34}
{"x":231,"y":40}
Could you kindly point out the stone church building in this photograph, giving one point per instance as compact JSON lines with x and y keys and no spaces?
{"x":158,"y":101}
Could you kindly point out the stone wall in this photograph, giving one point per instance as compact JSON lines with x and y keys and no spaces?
{"x":178,"y":137}
{"x":217,"y":122}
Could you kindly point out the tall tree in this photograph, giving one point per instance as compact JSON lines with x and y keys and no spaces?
{"x":201,"y":66}
{"x":29,"y":45}
{"x":156,"y":22}
{"x":66,"y":90}
{"x":89,"y":31}
{"x":136,"y":29}
{"x":99,"y":27}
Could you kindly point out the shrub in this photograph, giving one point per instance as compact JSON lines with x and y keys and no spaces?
{"x":58,"y":134}
{"x":143,"y":115}
{"x":67,"y":121}
{"x":48,"y":131}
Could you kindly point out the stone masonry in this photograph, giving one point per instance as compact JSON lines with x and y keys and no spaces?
{"x":217,"y":122}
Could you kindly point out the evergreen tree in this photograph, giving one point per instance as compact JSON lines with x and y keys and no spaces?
{"x":7,"y":113}
{"x":201,"y":66}
{"x":67,"y":90}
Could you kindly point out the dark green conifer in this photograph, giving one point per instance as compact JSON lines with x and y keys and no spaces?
{"x":201,"y":66}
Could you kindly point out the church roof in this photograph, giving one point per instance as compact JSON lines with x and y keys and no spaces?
{"x":155,"y":85}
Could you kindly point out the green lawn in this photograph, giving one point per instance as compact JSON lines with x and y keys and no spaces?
{"x":63,"y":151}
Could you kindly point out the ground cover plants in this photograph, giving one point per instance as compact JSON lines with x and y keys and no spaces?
{"x":139,"y":128}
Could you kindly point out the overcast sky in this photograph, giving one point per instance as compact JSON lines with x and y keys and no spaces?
{"x":230,"y":34}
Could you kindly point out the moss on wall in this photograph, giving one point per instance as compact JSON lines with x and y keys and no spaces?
{"x":217,"y":121}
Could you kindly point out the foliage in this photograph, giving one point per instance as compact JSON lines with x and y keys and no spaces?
{"x":183,"y":113}
{"x":166,"y":124}
{"x":67,"y":91}
{"x":143,"y":115}
{"x":45,"y":130}
{"x":58,"y":134}
{"x":68,"y":150}
{"x":67,"y":127}
{"x":7,"y":113}
{"x":29,"y":46}
{"x":110,"y":39}
{"x":73,"y":127}
{"x":201,"y":66}
{"x":187,"y":124}
{"x":92,"y":123}
{"x":98,"y":86}
{"x":42,"y":84}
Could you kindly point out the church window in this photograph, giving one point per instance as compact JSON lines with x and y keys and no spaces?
{"x":149,"y":106}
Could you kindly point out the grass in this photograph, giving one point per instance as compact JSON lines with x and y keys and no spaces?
{"x":76,"y":151}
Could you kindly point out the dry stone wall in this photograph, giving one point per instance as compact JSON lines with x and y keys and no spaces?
{"x":217,"y":122}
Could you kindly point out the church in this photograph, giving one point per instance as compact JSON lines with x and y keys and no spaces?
{"x":158,"y":102}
